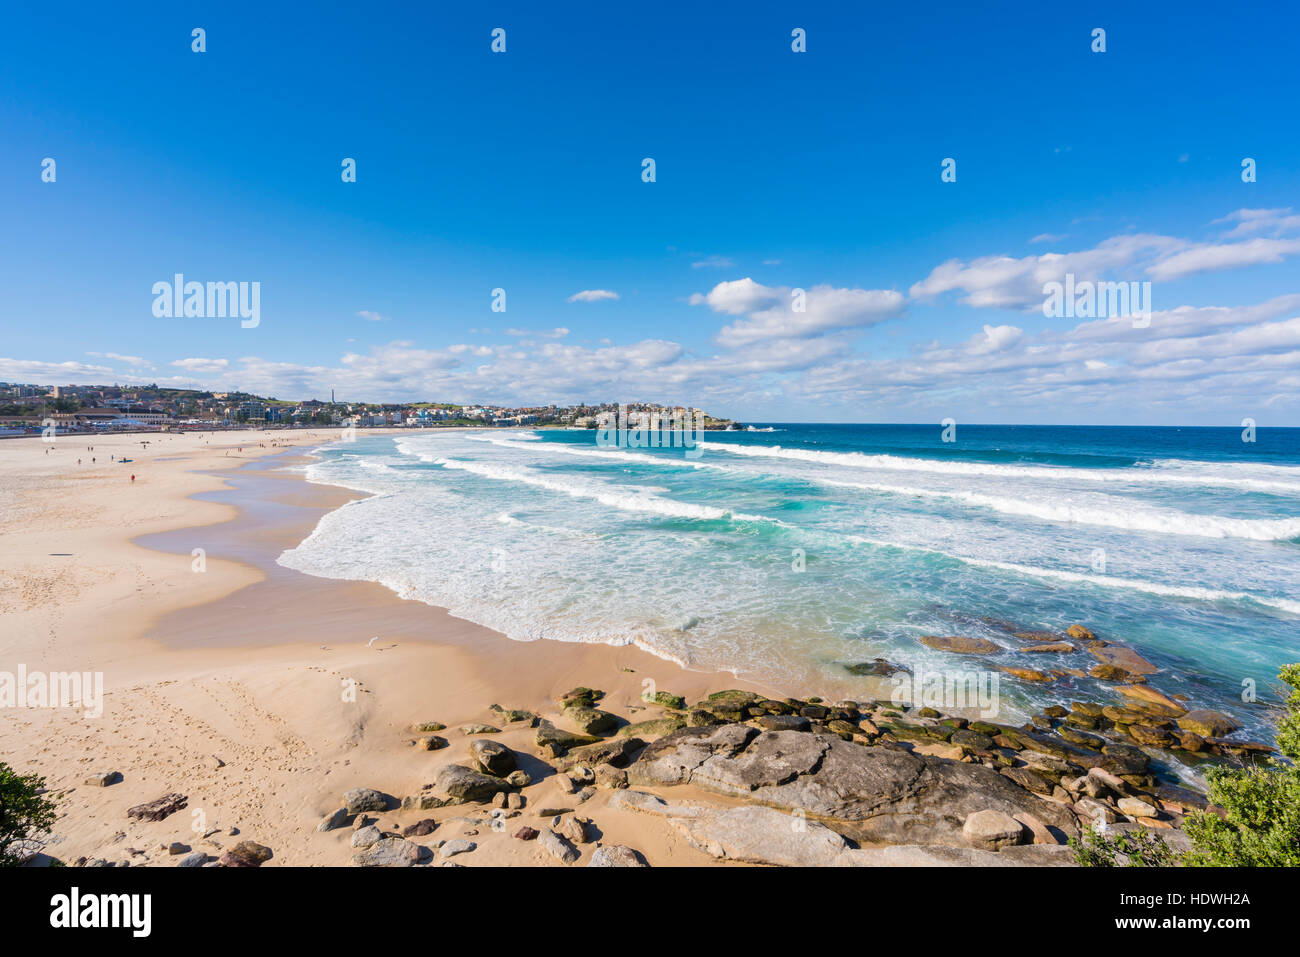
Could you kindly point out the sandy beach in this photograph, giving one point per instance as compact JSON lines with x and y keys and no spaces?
{"x":227,"y":684}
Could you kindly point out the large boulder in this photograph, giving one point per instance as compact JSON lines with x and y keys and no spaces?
{"x":557,"y":742}
{"x":465,"y":784}
{"x":616,"y":855}
{"x":591,"y":720}
{"x":993,"y":830}
{"x":867,"y":793}
{"x":616,"y":751}
{"x":493,"y":758}
{"x":358,"y":800}
{"x":1208,"y":724}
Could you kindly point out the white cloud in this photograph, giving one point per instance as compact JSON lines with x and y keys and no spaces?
{"x":559,"y":332}
{"x":772,"y":316}
{"x":202,"y":366}
{"x":713,"y":262}
{"x":369,"y":316}
{"x":1272,"y":221}
{"x":1211,"y":257}
{"x":593,"y":295}
{"x":135,"y":361}
{"x":1008,"y":282}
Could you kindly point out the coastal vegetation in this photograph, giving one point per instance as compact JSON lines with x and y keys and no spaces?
{"x":24,"y":814}
{"x":1253,"y":820}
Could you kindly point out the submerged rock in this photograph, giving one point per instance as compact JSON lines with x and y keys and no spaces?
{"x":960,"y":645}
{"x":1208,"y":724}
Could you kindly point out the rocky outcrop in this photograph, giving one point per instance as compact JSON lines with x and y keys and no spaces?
{"x":868,"y":793}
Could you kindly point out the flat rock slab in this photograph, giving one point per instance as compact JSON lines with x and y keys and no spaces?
{"x":763,"y":835}
{"x":390,"y":852}
{"x":868,"y":793}
{"x":1151,"y":698}
{"x":1121,"y":657}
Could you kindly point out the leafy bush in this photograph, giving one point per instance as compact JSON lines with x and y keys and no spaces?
{"x":24,"y":813}
{"x":1122,"y":849}
{"x":1261,"y":822}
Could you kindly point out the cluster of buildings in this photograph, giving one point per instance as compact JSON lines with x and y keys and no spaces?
{"x":25,"y":409}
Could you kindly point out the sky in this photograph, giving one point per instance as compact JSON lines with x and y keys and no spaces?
{"x":776,"y":172}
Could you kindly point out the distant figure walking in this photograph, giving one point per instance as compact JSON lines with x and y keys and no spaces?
{"x":132,"y":478}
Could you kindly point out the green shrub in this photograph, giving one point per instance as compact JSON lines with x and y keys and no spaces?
{"x":1122,"y":849}
{"x":24,"y":813}
{"x":1261,"y":822}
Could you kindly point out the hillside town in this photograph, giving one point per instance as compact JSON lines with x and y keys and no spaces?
{"x":27,"y":409}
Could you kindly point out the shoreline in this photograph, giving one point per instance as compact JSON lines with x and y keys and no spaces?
{"x":259,"y":693}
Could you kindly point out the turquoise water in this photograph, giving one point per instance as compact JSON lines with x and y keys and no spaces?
{"x":783,"y":555}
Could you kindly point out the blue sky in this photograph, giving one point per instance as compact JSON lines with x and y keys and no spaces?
{"x":775,"y":170}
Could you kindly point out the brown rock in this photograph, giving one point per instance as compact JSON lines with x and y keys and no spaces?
{"x":1120,"y":657}
{"x":961,"y":645}
{"x":246,"y":854}
{"x":158,"y":808}
{"x":1207,"y":724}
{"x":1145,"y":698}
{"x":1027,"y":674}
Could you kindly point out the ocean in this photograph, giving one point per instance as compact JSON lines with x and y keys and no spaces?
{"x":787,"y":554}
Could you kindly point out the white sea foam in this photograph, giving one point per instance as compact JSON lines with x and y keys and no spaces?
{"x":1113,"y":515}
{"x":628,"y":500}
{"x":1162,"y":474}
